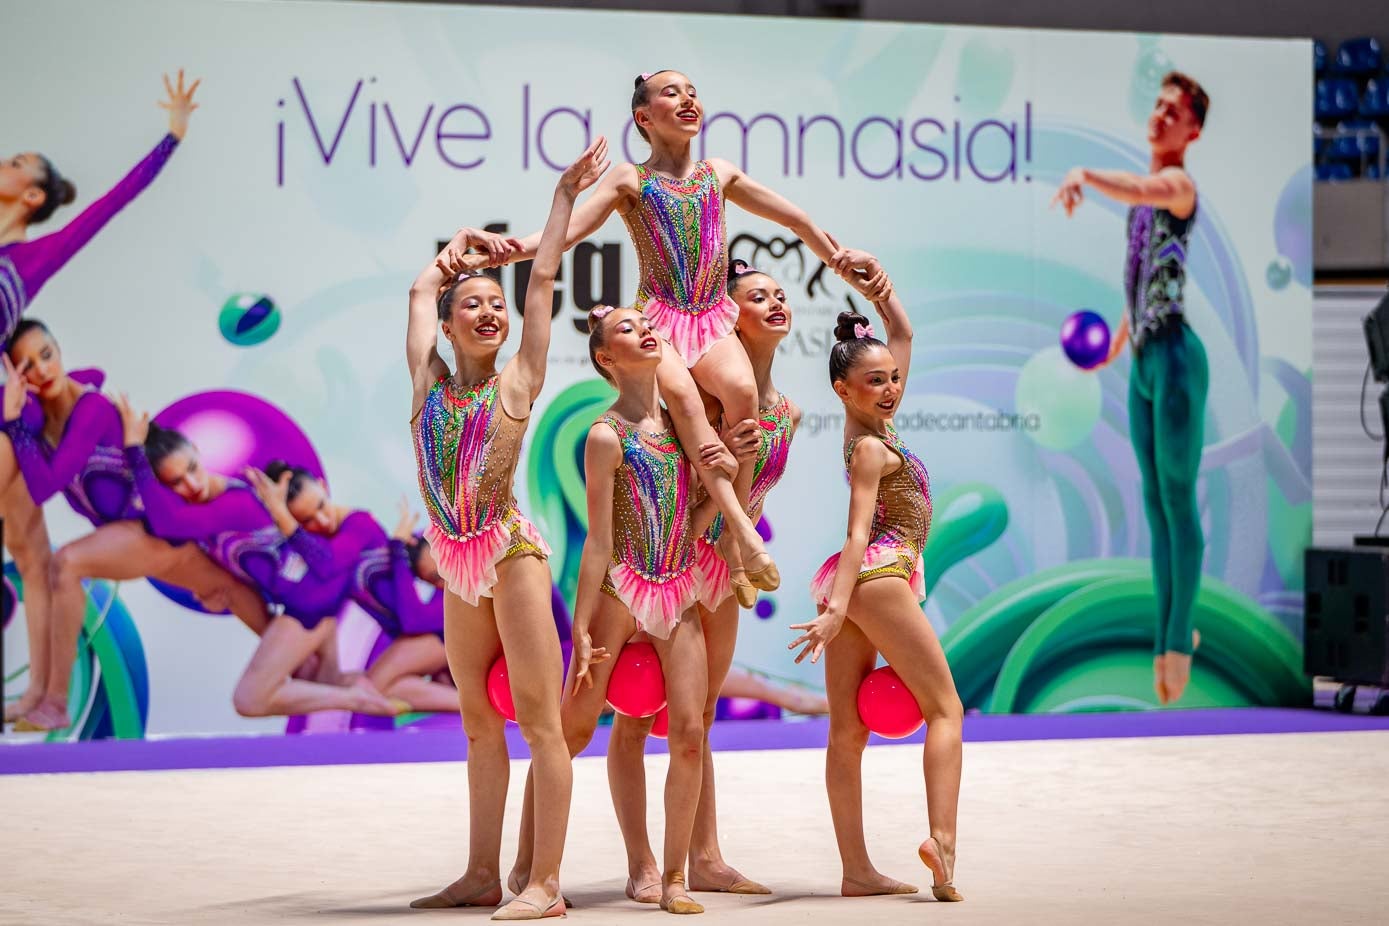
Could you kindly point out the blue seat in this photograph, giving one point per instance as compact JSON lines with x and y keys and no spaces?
{"x":1374,"y":102}
{"x":1336,"y":98}
{"x":1335,"y":170}
{"x":1318,"y":56}
{"x":1343,"y":148}
{"x":1371,"y":171}
{"x":1357,"y":143}
{"x":1360,"y":56}
{"x":1365,"y":143}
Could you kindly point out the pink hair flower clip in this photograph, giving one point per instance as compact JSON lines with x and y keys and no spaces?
{"x":600,"y":311}
{"x":863,"y":331}
{"x":645,"y":75}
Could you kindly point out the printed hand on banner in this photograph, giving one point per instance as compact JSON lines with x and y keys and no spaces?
{"x":215,"y":600}
{"x":274,"y":495}
{"x":136,"y":425}
{"x":180,"y":104}
{"x":17,"y":388}
{"x":585,"y":172}
{"x":405,"y":526}
{"x":1072,"y":191}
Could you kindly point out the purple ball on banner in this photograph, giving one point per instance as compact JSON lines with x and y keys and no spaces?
{"x":234,"y":430}
{"x":1085,"y":339}
{"x":764,"y":529}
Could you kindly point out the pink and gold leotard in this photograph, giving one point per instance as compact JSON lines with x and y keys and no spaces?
{"x":681,"y":239}
{"x":652,"y":570}
{"x":901,"y":521}
{"x":767,"y":469}
{"x":466,"y":447}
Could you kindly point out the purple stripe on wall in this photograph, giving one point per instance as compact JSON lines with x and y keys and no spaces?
{"x":440,"y":739}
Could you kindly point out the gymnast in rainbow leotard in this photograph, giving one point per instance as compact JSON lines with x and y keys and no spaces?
{"x":868,"y":595}
{"x":673,"y":206}
{"x":764,"y":320}
{"x":67,"y":438}
{"x":468,"y":426}
{"x":637,"y":572}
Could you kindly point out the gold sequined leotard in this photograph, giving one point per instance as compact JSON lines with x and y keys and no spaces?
{"x":901,"y":521}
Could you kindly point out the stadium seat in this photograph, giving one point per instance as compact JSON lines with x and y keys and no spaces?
{"x":1359,"y":56}
{"x":1335,"y":170}
{"x":1336,"y":98}
{"x":1374,"y":102}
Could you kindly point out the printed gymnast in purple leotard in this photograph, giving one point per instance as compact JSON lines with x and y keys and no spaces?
{"x":339,"y":545}
{"x":414,"y":667}
{"x":31,"y":189}
{"x":71,"y":443}
{"x":255,"y":543}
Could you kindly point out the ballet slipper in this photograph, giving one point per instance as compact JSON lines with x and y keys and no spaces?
{"x":736,"y":885}
{"x":647,"y":893}
{"x":681,"y":903}
{"x":946,"y":892}
{"x":865,"y":889}
{"x":767,"y":577}
{"x":43,"y":719}
{"x":522,"y":909}
{"x":512,"y":882}
{"x":482,"y":897}
{"x":743,"y":590}
{"x":16,"y":710}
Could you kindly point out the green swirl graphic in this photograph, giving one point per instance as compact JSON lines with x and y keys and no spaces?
{"x":109,"y":693}
{"x":1079,"y":637}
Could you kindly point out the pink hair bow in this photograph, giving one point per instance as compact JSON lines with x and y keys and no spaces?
{"x":600,"y":311}
{"x":863,"y":331}
{"x":645,"y":75}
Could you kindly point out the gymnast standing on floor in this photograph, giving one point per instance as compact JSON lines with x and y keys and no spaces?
{"x":869,"y":594}
{"x":468,"y":424}
{"x":637,"y":573}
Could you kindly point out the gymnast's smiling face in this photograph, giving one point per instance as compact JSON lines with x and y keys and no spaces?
{"x":667,"y":109}
{"x":476,"y":323}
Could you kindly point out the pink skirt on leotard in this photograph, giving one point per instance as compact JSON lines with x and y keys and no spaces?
{"x":692,"y":334}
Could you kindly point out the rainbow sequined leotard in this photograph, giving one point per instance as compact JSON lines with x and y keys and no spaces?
{"x":681,"y":239}
{"x":466,"y":447}
{"x":767,"y":469}
{"x":652,"y":569}
{"x":901,"y":521}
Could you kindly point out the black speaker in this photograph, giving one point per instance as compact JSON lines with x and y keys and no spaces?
{"x":1347,"y":615}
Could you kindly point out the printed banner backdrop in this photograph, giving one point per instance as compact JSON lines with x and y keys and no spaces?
{"x":337,"y":145}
